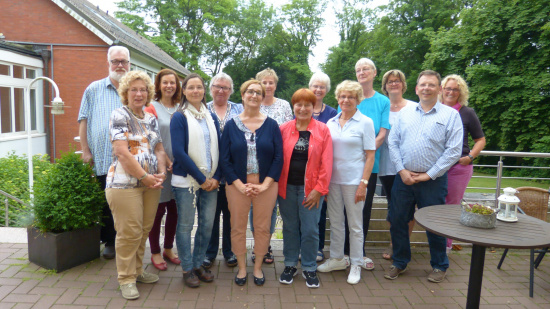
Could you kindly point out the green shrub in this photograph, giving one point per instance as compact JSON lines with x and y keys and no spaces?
{"x":14,"y":180}
{"x":68,"y":197}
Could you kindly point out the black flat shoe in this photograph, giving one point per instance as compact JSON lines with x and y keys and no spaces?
{"x":241,"y":281}
{"x":259,"y":281}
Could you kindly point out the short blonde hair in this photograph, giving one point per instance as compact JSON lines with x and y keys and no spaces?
{"x":462,"y":86}
{"x":129,"y":78}
{"x":249,"y":82}
{"x":395,"y":73}
{"x":351,"y":86}
{"x":267,"y":72}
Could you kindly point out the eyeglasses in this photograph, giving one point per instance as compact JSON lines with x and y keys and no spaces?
{"x":251,"y":93}
{"x":135,"y":90}
{"x":453,"y":90}
{"x":318,"y":87}
{"x":343,"y":98}
{"x":117,"y":62}
{"x":218,"y":88}
{"x":394,"y":82}
{"x":364,"y":70}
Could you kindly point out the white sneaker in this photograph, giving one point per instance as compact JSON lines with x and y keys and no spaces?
{"x":332,"y":264}
{"x":348,"y":262}
{"x":354,"y":274}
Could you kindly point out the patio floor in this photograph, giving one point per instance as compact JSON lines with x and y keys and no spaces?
{"x":94,"y":285}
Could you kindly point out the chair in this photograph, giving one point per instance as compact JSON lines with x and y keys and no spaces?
{"x":534,"y":203}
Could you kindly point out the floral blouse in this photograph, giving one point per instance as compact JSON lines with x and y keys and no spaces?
{"x":280,"y":111}
{"x":142,"y":136}
{"x":252,"y":165}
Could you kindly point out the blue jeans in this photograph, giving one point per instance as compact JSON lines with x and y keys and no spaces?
{"x":401,"y":212}
{"x":206,"y":207}
{"x":300,"y":229}
{"x":221,"y":207}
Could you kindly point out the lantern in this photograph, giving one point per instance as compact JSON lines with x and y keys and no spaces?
{"x":508,"y":205}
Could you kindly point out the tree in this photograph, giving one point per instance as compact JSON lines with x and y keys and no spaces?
{"x":503,"y":49}
{"x":182,"y":28}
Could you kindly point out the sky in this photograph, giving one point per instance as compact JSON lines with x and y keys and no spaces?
{"x":329,"y":33}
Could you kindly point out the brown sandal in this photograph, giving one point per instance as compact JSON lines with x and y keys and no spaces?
{"x":386,"y":255}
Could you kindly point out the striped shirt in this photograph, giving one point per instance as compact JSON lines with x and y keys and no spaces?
{"x":98,"y":102}
{"x":429,"y":142}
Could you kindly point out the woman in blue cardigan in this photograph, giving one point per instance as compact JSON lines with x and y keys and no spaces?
{"x":195,"y":134}
{"x":251,"y":155}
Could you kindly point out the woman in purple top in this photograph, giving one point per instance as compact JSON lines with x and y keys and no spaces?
{"x":455,"y":94}
{"x":320,"y":85}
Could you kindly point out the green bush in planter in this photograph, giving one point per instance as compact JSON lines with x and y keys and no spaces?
{"x":68,"y":197}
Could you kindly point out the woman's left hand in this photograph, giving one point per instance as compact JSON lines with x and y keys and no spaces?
{"x":361,"y":193}
{"x":214,"y":184}
{"x":312,"y":199}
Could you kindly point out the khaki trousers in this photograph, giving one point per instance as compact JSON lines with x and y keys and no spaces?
{"x":239,"y":207}
{"x":134,"y":213}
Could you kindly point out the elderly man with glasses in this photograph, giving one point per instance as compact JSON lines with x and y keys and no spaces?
{"x":99,"y":100}
{"x":221,"y":88}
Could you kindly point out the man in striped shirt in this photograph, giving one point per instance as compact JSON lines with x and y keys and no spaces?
{"x":424,"y":143}
{"x":99,"y":100}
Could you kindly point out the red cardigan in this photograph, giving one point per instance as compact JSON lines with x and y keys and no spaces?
{"x":319,"y":162}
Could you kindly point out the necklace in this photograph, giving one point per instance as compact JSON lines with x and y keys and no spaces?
{"x":136,"y":115}
{"x":167,"y":109}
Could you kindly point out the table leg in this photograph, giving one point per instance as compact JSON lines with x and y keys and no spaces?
{"x":476,"y":277}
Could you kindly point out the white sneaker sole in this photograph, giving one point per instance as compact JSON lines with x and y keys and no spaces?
{"x":310,"y":286}
{"x":291,"y":280}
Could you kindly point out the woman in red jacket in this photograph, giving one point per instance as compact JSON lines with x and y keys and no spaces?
{"x":307,"y":168}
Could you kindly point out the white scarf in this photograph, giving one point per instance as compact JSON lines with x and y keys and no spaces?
{"x":197,"y":145}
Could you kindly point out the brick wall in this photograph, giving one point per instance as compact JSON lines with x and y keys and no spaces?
{"x":74,"y":68}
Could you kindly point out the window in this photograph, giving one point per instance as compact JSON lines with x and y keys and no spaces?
{"x":30,"y":73}
{"x":17,"y":71}
{"x":14,"y":79}
{"x":5,"y":69}
{"x":33,"y":109}
{"x":5,"y":109}
{"x":19,"y":109}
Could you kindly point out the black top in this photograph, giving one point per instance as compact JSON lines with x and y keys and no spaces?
{"x":471,"y":125}
{"x":298,"y":160}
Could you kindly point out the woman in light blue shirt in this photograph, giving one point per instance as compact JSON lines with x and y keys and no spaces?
{"x":354,"y":147}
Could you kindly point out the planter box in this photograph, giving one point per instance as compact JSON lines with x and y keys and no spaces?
{"x":61,"y":251}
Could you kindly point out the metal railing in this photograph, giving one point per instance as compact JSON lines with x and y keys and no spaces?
{"x":7,"y":198}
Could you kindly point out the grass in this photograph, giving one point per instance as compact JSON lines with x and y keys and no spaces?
{"x":492,"y":182}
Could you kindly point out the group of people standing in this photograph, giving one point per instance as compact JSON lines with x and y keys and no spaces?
{"x":169,"y":151}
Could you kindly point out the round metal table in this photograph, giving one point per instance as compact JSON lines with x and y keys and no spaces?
{"x":527,"y":233}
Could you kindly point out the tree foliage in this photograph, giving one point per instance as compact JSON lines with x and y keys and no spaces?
{"x":502,"y":48}
{"x":242,"y":37}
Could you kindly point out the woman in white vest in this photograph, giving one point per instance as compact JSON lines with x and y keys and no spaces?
{"x":195,"y":134}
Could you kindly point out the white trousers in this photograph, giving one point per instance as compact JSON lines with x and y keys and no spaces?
{"x":341,"y":196}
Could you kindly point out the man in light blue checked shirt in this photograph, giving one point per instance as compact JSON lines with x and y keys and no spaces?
{"x":424,"y":143}
{"x":99,"y":100}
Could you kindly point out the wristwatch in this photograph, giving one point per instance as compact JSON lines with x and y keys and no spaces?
{"x":471,"y":157}
{"x":366,"y":182}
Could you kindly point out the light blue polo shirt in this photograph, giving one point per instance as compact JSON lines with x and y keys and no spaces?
{"x":349,"y":144}
{"x":376,"y":108}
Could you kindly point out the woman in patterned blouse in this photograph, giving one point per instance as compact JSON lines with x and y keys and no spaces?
{"x":134,"y":179}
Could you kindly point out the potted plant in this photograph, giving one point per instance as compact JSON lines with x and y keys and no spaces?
{"x":65,"y":229}
{"x":477,"y":215}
